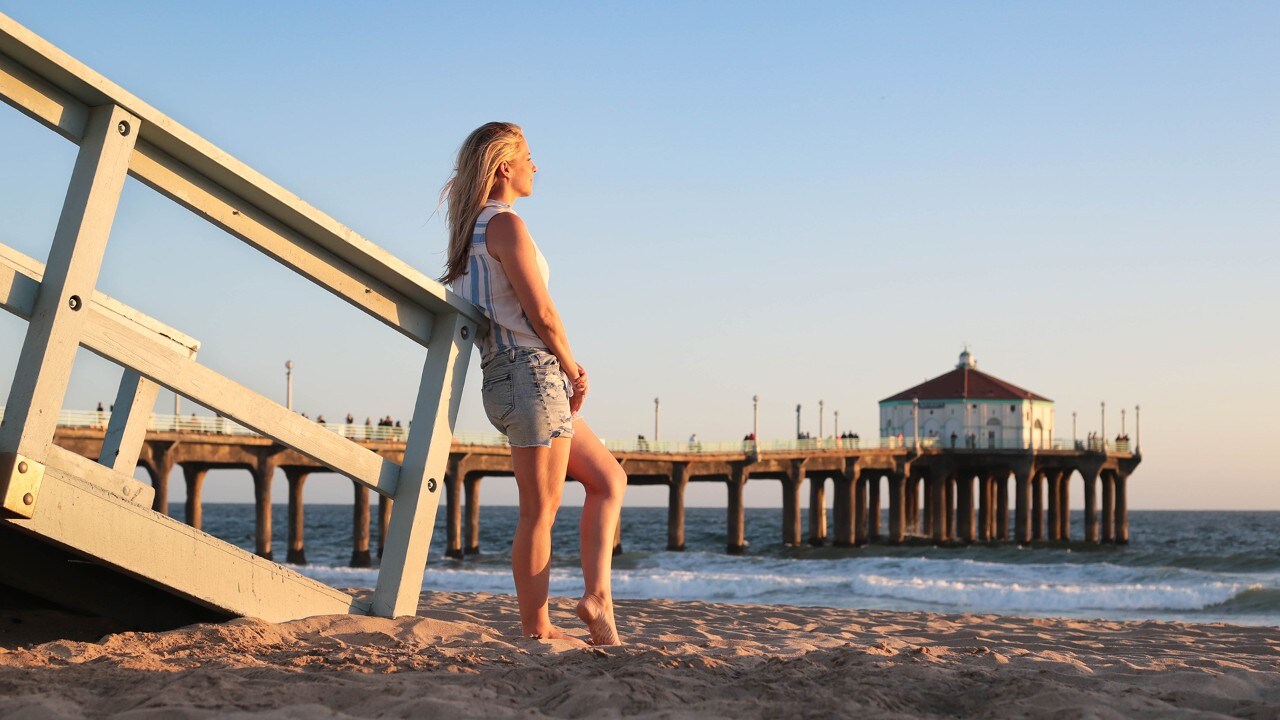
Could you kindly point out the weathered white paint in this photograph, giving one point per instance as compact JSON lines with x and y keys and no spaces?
{"x":60,"y":310}
{"x":122,"y":486}
{"x":127,"y":429}
{"x":84,"y":517}
{"x":413,"y":516}
{"x":118,"y":342}
{"x":56,"y":90}
{"x":47,"y":84}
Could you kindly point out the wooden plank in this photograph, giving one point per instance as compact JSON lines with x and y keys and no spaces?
{"x":38,"y":78}
{"x":255,"y":227}
{"x":165,"y":356}
{"x":119,"y":342}
{"x":58,"y":316}
{"x":122,"y":486}
{"x":20,"y":278}
{"x":83,"y":517}
{"x":130,"y":416}
{"x":426,"y":456}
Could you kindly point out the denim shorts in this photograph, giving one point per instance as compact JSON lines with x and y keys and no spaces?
{"x":526,"y":396}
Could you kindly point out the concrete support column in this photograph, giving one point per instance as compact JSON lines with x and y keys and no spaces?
{"x":897,"y":508}
{"x":194,"y":477}
{"x":360,"y":557}
{"x":843,"y":510}
{"x":860,"y":511}
{"x":1037,"y":506}
{"x":1122,"y":508}
{"x":296,"y":552}
{"x":791,"y":504}
{"x":949,"y":512}
{"x":161,"y":468}
{"x":964,"y":511}
{"x":471,"y":526}
{"x":926,"y":506}
{"x":262,"y":477}
{"x":675,"y":507}
{"x":937,"y":482}
{"x":984,"y":509}
{"x":1022,"y":509}
{"x":1001,"y":483}
{"x":817,"y":511}
{"x":736,"y":542}
{"x":1053,"y":523}
{"x":384,"y":521}
{"x":1090,"y":505}
{"x":873,"y":507}
{"x":453,"y":512}
{"x":911,"y":493}
{"x":1064,"y":506}
{"x":1108,"y":507}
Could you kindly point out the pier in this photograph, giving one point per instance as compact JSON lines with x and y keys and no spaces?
{"x":932,"y":493}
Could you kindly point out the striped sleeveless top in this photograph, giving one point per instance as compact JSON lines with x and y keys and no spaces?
{"x":486,"y":285}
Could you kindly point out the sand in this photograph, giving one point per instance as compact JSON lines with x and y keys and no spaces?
{"x":462,"y":657}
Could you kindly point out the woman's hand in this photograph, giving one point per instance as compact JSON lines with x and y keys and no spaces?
{"x":580,"y":387}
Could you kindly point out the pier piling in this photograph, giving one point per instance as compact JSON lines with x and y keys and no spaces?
{"x":675,"y":508}
{"x":471,"y":545}
{"x":736,"y":543}
{"x":296,"y":552}
{"x":360,"y":557}
{"x":817,"y":510}
{"x":193,"y":475}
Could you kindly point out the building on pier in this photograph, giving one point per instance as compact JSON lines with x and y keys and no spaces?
{"x":967,"y":408}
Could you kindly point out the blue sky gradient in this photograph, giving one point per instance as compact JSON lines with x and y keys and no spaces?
{"x":813,"y":202}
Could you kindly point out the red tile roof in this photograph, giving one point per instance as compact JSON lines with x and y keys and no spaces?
{"x":966,"y":384}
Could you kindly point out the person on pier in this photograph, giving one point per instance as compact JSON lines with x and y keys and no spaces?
{"x":533,"y":387}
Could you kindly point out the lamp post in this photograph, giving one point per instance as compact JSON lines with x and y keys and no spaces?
{"x":797,"y":421}
{"x":755,"y":419}
{"x":821,"y":412}
{"x":656,"y":405}
{"x":836,"y":432}
{"x":288,"y":381}
{"x":1104,"y":426}
{"x":1137,"y":428}
{"x":1122,"y":425}
{"x":915,"y":422}
{"x":1073,"y":428}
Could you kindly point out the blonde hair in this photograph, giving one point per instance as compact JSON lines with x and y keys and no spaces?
{"x":474,"y":175}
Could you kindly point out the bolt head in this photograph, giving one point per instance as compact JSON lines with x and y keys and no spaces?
{"x":123,"y":127}
{"x":431,"y":484}
{"x":22,"y":466}
{"x":466,"y":332}
{"x":73,"y":302}
{"x":28,"y":499}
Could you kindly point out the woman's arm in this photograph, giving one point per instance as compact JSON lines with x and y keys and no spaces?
{"x":510,"y":244}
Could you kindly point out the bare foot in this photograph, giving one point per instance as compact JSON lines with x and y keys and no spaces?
{"x":554,"y":633}
{"x":598,"y":615}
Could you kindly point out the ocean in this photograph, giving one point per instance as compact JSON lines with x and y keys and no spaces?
{"x":1186,"y":566}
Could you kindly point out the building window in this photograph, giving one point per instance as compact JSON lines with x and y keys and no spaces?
{"x":1013,"y":408}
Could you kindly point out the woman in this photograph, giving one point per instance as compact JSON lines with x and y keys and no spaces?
{"x":533,"y":388}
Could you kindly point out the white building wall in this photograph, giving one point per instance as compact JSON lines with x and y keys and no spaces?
{"x":999,"y":424}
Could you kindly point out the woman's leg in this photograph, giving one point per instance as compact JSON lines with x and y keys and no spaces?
{"x":591,"y":464}
{"x":540,"y":476}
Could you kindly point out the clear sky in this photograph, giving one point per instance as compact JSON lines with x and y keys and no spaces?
{"x":810,"y":201}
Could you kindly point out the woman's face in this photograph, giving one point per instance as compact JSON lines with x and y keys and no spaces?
{"x":522,"y":170}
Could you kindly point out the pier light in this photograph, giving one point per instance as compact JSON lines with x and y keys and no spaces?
{"x":1122,"y":425}
{"x":915,"y":421}
{"x":1073,"y":428}
{"x":821,"y":413}
{"x":1104,"y":426}
{"x":656,"y":405}
{"x":288,"y":381}
{"x":797,"y":421}
{"x":755,"y":419}
{"x":1137,"y":429}
{"x":836,"y":414}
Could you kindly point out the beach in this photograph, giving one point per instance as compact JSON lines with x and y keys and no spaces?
{"x":462,"y":656}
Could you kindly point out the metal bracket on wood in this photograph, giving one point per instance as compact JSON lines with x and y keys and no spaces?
{"x":20,"y":479}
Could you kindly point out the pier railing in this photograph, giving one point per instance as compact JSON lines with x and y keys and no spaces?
{"x":356,"y":431}
{"x":119,"y":135}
